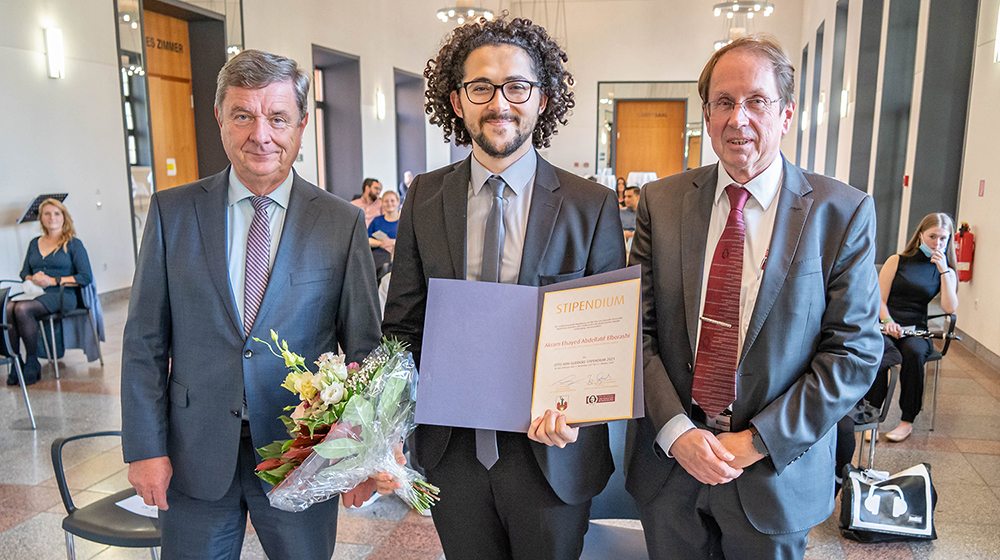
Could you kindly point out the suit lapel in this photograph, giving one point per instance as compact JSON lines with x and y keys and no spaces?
{"x":300,"y":217}
{"x":789,"y":219}
{"x":696,"y":217}
{"x":455,"y":199}
{"x":544,"y":209}
{"x":210,"y":209}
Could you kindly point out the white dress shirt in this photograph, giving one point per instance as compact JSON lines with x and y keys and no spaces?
{"x":239,"y":214}
{"x":520,"y":179}
{"x":758,"y":217}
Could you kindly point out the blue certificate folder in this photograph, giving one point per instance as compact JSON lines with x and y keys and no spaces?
{"x":478,"y":354}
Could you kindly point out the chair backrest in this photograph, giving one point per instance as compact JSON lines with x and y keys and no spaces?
{"x":952,"y":319}
{"x":6,"y":348}
{"x":57,"y":464}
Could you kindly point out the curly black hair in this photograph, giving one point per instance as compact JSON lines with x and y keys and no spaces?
{"x":445,"y":72}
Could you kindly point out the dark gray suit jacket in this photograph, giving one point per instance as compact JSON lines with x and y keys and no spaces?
{"x":573,"y":231}
{"x":321,"y":293}
{"x":810,"y":352}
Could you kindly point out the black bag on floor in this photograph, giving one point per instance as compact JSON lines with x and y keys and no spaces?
{"x":899,"y":508}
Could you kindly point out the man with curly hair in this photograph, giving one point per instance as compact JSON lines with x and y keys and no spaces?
{"x":503,"y":214}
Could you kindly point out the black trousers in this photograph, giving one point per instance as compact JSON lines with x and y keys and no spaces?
{"x":915,"y":351}
{"x":506,"y":513}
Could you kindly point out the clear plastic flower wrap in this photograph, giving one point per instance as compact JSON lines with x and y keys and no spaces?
{"x":372,"y":412}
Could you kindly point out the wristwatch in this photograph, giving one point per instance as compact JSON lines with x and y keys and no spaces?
{"x":758,"y":442}
{"x":58,"y":280}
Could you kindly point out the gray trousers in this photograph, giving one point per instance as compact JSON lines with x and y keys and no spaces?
{"x":688,"y":520}
{"x":201,"y":529}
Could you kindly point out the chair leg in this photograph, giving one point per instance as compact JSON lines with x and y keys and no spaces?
{"x":871,"y":447}
{"x":937,"y":370}
{"x":70,"y":550}
{"x":24,"y":389}
{"x":97,"y":338}
{"x":52,"y":356}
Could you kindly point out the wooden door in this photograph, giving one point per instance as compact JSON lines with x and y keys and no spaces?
{"x":168,"y":71}
{"x":650,"y":137}
{"x":694,"y":152}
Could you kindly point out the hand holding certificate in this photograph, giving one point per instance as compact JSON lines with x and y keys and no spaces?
{"x":495,"y":356}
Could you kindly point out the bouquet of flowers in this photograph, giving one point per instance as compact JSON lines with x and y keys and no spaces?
{"x":345,"y":427}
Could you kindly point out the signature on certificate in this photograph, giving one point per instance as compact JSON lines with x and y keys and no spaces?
{"x":600,"y":379}
{"x":566,"y":381}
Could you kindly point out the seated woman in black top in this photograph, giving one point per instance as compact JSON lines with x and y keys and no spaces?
{"x":57,"y":257}
{"x":908,"y":282}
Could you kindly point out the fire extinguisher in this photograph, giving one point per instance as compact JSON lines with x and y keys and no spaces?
{"x":965,"y":249}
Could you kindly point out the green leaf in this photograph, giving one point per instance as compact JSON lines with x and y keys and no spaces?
{"x":272,"y":451}
{"x":290,"y":425}
{"x":340,"y":448}
{"x":388,"y":401}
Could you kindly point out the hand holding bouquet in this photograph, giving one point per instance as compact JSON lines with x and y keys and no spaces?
{"x":344,"y":429}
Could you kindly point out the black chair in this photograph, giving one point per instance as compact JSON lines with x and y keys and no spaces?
{"x":610,"y":541}
{"x":937,"y":355}
{"x":7,"y":351}
{"x":103,"y":522}
{"x":80,"y":311}
{"x":873,"y":425}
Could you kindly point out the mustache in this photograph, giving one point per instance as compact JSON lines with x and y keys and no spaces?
{"x":495,"y":115}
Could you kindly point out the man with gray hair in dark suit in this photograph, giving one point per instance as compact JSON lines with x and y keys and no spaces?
{"x":224,"y":260}
{"x":760,"y":309}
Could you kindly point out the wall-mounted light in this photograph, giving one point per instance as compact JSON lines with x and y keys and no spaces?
{"x":845,"y":97}
{"x":996,"y":43}
{"x":54,"y":52}
{"x":380,"y":104}
{"x":804,"y":120}
{"x":820,"y":108}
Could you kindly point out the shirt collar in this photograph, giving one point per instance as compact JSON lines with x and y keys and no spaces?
{"x":238,"y":191}
{"x":516,"y":175}
{"x":763,"y":187}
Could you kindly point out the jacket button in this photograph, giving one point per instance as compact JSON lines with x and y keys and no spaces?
{"x":248,"y":354}
{"x":235,"y":413}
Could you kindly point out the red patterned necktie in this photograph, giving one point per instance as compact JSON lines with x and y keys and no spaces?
{"x":718,"y":346}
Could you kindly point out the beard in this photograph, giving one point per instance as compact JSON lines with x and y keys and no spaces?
{"x":502,"y":151}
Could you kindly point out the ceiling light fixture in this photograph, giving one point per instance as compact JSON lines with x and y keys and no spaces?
{"x":462,"y":11}
{"x":739,"y":20}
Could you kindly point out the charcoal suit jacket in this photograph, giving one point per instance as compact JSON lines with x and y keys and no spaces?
{"x":573,"y":231}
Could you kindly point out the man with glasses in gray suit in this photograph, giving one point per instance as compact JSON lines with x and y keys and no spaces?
{"x":760,"y":308}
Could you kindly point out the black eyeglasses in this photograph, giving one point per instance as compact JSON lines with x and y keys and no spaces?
{"x":514,"y":91}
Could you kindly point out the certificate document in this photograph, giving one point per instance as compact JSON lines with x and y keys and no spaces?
{"x":585,"y":362}
{"x":495,"y":356}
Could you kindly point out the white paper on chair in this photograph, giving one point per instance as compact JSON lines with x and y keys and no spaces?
{"x":29,"y":290}
{"x":138,"y":507}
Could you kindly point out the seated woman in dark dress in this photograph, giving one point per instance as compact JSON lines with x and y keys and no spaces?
{"x":387,"y":223}
{"x":908,"y":282}
{"x":57,"y":257}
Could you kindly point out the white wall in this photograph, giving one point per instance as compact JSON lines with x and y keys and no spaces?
{"x":979,"y":314}
{"x":64,"y":135}
{"x":641,"y":40}
{"x":384,"y":34}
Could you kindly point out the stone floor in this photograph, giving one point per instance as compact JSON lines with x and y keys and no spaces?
{"x":964,"y":451}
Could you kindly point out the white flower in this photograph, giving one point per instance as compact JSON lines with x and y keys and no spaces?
{"x":332,"y":367}
{"x":332,"y":394}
